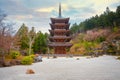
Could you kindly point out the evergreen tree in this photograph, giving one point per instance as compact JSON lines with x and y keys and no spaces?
{"x":74,"y":28}
{"x":105,"y":20}
{"x":40,"y":43}
{"x":118,"y":16}
{"x":22,"y":36}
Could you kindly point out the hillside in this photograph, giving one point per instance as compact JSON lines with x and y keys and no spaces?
{"x":100,"y":40}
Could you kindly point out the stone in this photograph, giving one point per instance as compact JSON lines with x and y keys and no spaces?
{"x":38,"y":59}
{"x":54,"y":56}
{"x":77,"y":58}
{"x":36,"y":55}
{"x":18,"y":62}
{"x":7,"y":64}
{"x":30,"y":71}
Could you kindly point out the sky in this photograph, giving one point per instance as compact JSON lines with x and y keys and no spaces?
{"x":37,"y":13}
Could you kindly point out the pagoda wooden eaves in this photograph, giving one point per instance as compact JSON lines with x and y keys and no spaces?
{"x":59,"y":20}
{"x":60,"y":26}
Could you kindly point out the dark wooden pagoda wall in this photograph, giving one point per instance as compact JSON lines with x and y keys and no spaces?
{"x":60,"y":50}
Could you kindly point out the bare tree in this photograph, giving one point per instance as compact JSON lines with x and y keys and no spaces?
{"x":31,"y":36}
{"x":5,"y":35}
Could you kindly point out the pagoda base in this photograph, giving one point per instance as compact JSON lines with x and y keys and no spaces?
{"x":60,"y":50}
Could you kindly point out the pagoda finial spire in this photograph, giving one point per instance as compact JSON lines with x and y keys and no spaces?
{"x":60,"y":10}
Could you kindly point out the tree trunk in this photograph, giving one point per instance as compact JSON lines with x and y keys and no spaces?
{"x":2,"y":59}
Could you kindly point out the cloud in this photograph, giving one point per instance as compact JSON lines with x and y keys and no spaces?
{"x":21,"y":17}
{"x":12,"y":6}
{"x":48,"y":9}
{"x":42,"y":3}
{"x":38,"y":12}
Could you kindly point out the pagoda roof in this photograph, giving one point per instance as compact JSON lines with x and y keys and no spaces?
{"x":56,"y":44}
{"x":59,"y":20}
{"x":66,"y":38}
{"x":60,"y":25}
{"x":52,"y":32}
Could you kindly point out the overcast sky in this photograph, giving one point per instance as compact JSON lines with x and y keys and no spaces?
{"x":37,"y":13}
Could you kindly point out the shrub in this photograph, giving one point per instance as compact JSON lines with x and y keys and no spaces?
{"x":14,"y":54}
{"x":27,"y":60}
{"x":32,"y":56}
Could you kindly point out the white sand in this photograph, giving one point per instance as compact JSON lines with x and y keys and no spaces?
{"x":101,"y":68}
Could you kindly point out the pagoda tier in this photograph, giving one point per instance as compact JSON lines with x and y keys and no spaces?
{"x":60,"y":26}
{"x":59,"y":20}
{"x":59,"y":32}
{"x":60,"y":38}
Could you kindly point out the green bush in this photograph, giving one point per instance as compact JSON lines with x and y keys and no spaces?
{"x":14,"y":54}
{"x":27,"y":60}
{"x":32,"y":56}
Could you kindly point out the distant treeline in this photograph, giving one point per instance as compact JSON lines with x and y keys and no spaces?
{"x":108,"y":19}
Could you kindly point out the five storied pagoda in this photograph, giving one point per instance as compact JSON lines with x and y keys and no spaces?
{"x":59,"y":34}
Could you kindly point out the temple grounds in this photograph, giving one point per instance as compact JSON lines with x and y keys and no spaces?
{"x":62,"y":68}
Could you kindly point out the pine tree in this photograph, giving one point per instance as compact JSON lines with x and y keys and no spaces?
{"x":22,"y":38}
{"x":40,"y":43}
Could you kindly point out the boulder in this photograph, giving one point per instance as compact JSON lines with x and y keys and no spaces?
{"x":7,"y":64}
{"x":18,"y":62}
{"x":30,"y":71}
{"x":38,"y":59}
{"x":54,"y":56}
{"x":77,"y":58}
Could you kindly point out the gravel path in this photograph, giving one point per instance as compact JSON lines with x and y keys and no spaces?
{"x":101,"y":68}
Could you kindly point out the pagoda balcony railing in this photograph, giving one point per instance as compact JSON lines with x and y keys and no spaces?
{"x":59,"y":29}
{"x":59,"y":44}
